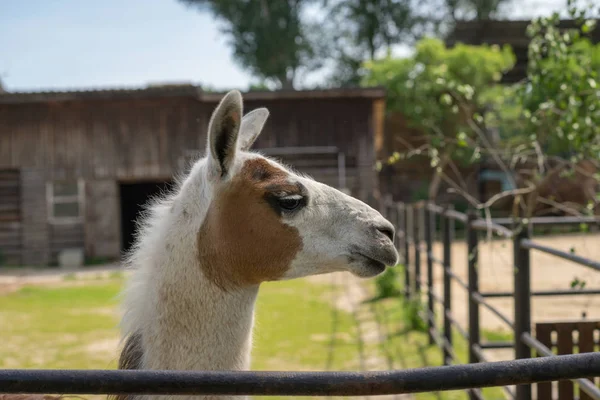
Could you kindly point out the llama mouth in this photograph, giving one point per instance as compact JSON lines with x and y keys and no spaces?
{"x":374,"y":266}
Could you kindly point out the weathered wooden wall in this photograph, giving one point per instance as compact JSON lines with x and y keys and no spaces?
{"x":102,"y":228}
{"x":34,"y":209}
{"x":10,"y":217}
{"x":137,"y":139}
{"x":99,"y":139}
{"x":107,"y":138}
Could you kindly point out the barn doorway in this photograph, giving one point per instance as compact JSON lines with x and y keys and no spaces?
{"x":133,"y":197}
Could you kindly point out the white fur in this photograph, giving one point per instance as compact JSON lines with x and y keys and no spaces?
{"x":187,"y":322}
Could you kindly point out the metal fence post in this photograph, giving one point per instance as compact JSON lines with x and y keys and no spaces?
{"x":403,"y":244}
{"x":447,"y":239}
{"x":417,"y":244}
{"x":428,"y":246}
{"x":522,"y":303}
{"x":474,"y":332}
{"x":407,"y":270}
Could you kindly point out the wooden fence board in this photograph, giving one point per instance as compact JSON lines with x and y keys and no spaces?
{"x":566,"y":344}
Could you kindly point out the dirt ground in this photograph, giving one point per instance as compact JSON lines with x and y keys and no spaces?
{"x":547,"y":273}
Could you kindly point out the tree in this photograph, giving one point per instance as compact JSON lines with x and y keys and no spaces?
{"x":548,"y":127}
{"x":269,"y":38}
{"x":362,"y":28}
{"x":439,"y":91}
{"x":477,"y":10}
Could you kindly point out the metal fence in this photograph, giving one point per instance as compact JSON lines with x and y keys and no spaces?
{"x":479,"y":373}
{"x":417,"y":225}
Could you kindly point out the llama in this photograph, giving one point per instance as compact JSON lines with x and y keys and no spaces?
{"x":237,"y":219}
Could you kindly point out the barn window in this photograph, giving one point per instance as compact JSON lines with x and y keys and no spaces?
{"x":65,"y":201}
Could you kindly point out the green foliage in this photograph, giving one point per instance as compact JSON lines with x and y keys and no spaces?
{"x":387,"y":284}
{"x":439,"y":90}
{"x":276,"y":40}
{"x":269,"y":39}
{"x":360,"y":29}
{"x":577,"y":283}
{"x":561,"y":99}
{"x":413,"y":318}
{"x":532,"y":129}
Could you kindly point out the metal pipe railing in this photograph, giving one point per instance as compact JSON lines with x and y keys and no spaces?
{"x":263,"y":383}
{"x":531,"y":245}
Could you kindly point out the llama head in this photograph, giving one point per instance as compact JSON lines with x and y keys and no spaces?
{"x":265,"y":222}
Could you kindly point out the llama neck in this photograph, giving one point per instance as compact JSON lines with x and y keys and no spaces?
{"x":197,"y":326}
{"x":183,"y":320}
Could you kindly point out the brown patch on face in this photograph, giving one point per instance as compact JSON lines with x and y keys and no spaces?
{"x":243,"y":241}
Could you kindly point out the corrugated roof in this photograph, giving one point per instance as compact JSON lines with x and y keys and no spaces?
{"x":178,"y":91}
{"x":98,"y":94}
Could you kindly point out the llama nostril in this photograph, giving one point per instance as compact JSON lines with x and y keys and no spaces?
{"x":387,"y":231}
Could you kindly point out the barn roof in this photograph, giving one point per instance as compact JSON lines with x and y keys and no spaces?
{"x":180,"y":91}
{"x":501,"y":32}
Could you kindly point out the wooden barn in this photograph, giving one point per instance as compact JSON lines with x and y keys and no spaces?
{"x":76,"y":167}
{"x":504,"y":32}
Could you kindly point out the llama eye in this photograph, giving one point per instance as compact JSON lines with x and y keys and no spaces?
{"x":290,"y":203}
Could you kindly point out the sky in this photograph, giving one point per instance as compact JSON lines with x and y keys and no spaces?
{"x":75,"y":44}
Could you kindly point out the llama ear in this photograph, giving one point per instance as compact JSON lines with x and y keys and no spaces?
{"x":223,"y":132}
{"x":252,"y":125}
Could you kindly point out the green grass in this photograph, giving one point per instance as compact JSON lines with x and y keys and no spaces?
{"x":56,"y":327}
{"x":75,"y":326}
{"x":294,"y":326}
{"x":410,"y":348}
{"x":408,"y":345}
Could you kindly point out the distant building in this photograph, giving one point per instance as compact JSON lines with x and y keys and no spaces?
{"x":501,"y":32}
{"x":76,"y":166}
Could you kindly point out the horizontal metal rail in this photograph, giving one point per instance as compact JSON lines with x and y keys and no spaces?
{"x":455,"y":215}
{"x":442,"y":343}
{"x":457,"y":279}
{"x":263,"y":383}
{"x":586,"y":262}
{"x":479,"y":353}
{"x":481,"y":301}
{"x":462,"y":331}
{"x":437,"y":260}
{"x":497,"y":345}
{"x":585,"y":384}
{"x":543,"y":293}
{"x":483,"y":225}
{"x":550,"y":220}
{"x":437,"y":298}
